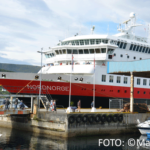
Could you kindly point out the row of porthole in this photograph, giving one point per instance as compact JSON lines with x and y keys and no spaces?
{"x":96,"y":118}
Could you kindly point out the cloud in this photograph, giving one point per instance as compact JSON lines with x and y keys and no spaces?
{"x":27,"y":26}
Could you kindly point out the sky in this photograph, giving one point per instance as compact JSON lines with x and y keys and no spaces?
{"x":26,"y":26}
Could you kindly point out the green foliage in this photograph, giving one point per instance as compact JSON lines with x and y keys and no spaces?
{"x":71,"y":103}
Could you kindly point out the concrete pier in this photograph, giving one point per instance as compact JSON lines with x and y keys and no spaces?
{"x":62,"y":125}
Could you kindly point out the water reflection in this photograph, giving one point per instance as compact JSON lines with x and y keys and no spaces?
{"x":15,"y":139}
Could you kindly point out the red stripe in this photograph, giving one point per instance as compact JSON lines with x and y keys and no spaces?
{"x":20,"y":112}
{"x":1,"y":112}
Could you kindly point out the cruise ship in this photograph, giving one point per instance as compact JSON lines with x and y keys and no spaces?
{"x":79,"y":62}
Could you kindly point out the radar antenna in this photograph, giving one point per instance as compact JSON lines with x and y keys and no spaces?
{"x":92,"y":29}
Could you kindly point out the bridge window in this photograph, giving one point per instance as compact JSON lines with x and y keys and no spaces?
{"x":98,"y":41}
{"x":60,"y":52}
{"x":143,"y":50}
{"x":149,"y":51}
{"x":86,"y":51}
{"x":52,"y":54}
{"x":124,"y":46}
{"x":64,"y":51}
{"x":103,"y":50}
{"x":81,"y":42}
{"x":97,"y":50}
{"x":134,"y":57}
{"x":105,"y":41}
{"x":118,"y":79}
{"x":118,"y":43}
{"x":121,"y":45}
{"x":144,"y":81}
{"x":75,"y":51}
{"x":146,"y":50}
{"x":138,"y":81}
{"x":77,"y":42}
{"x":103,"y":78}
{"x":128,"y":56}
{"x":134,"y":47}
{"x":69,"y":51}
{"x":140,"y":48}
{"x":86,"y":42}
{"x":91,"y":51}
{"x":80,"y":51}
{"x":137,"y":48}
{"x":73,"y":42}
{"x":56,"y":51}
{"x":131,"y":46}
{"x":111,"y":78}
{"x":125,"y":80}
{"x":114,"y":54}
{"x":92,"y":41}
{"x":110,"y":51}
{"x":46,"y":55}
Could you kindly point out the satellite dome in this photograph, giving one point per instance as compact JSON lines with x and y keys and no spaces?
{"x":132,"y":15}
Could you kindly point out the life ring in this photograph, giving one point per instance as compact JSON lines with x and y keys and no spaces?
{"x":115,"y":117}
{"x":85,"y":118}
{"x":97,"y":118}
{"x":91,"y":119}
{"x":71,"y":119}
{"x":120,"y":118}
{"x":78,"y":119}
{"x":109,"y":118}
{"x":103,"y":118}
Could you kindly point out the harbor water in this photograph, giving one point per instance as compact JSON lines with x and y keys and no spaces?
{"x":15,"y":139}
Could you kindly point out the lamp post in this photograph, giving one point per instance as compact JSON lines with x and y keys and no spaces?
{"x":40,"y":77}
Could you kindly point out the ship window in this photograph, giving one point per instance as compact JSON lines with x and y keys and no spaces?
{"x":73,"y":42}
{"x":110,"y":51}
{"x":140,"y":48}
{"x":146,"y":50}
{"x":128,"y":56}
{"x":77,"y":42}
{"x":103,"y":78}
{"x":134,"y":57}
{"x":52,"y":54}
{"x":98,"y":41}
{"x":105,"y":41}
{"x":103,"y":50}
{"x":125,"y":80}
{"x":92,"y":41}
{"x":144,"y":92}
{"x":111,"y":78}
{"x":91,"y":51}
{"x":140,"y":58}
{"x":64,"y":51}
{"x":121,"y":55}
{"x":118,"y":43}
{"x":137,"y":48}
{"x":60,"y":52}
{"x":131,"y":47}
{"x":81,"y":42}
{"x":121,"y":45}
{"x":149,"y":51}
{"x":46,"y":55}
{"x":56,"y":51}
{"x":97,"y":50}
{"x":124,"y":46}
{"x":134,"y":47}
{"x":143,"y":50}
{"x":86,"y":42}
{"x":138,"y":81}
{"x":114,"y":54}
{"x":69,"y":51}
{"x":80,"y":51}
{"x":144,"y":81}
{"x":138,"y":92}
{"x":75,"y":51}
{"x":118,"y":79}
{"x":86,"y":51}
{"x":149,"y":82}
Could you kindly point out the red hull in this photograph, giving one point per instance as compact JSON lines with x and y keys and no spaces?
{"x":77,"y":89}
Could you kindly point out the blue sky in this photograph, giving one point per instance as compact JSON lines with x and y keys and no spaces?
{"x":28,"y":25}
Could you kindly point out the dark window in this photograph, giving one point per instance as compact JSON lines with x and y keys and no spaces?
{"x":77,"y":42}
{"x":149,"y":51}
{"x":125,"y":91}
{"x":146,"y":50}
{"x":114,"y":54}
{"x":121,"y":45}
{"x":140,"y":48}
{"x":131,"y":47}
{"x":91,"y":51}
{"x":144,"y":92}
{"x":128,"y":56}
{"x":118,"y":79}
{"x":75,"y":51}
{"x":140,"y":58}
{"x":86,"y":51}
{"x":81,"y":42}
{"x":118,"y":91}
{"x":103,"y":78}
{"x":80,"y":51}
{"x":109,"y":56}
{"x":144,"y":81}
{"x":134,"y":47}
{"x":124,"y":46}
{"x":137,"y":48}
{"x":121,"y":55}
{"x":134,"y":57}
{"x":103,"y":50}
{"x":69,"y":51}
{"x":118,"y":43}
{"x":143,"y":50}
{"x":138,"y":81}
{"x":138,"y":92}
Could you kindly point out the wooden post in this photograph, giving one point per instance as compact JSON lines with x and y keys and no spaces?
{"x":131,"y":92}
{"x":11,"y":102}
